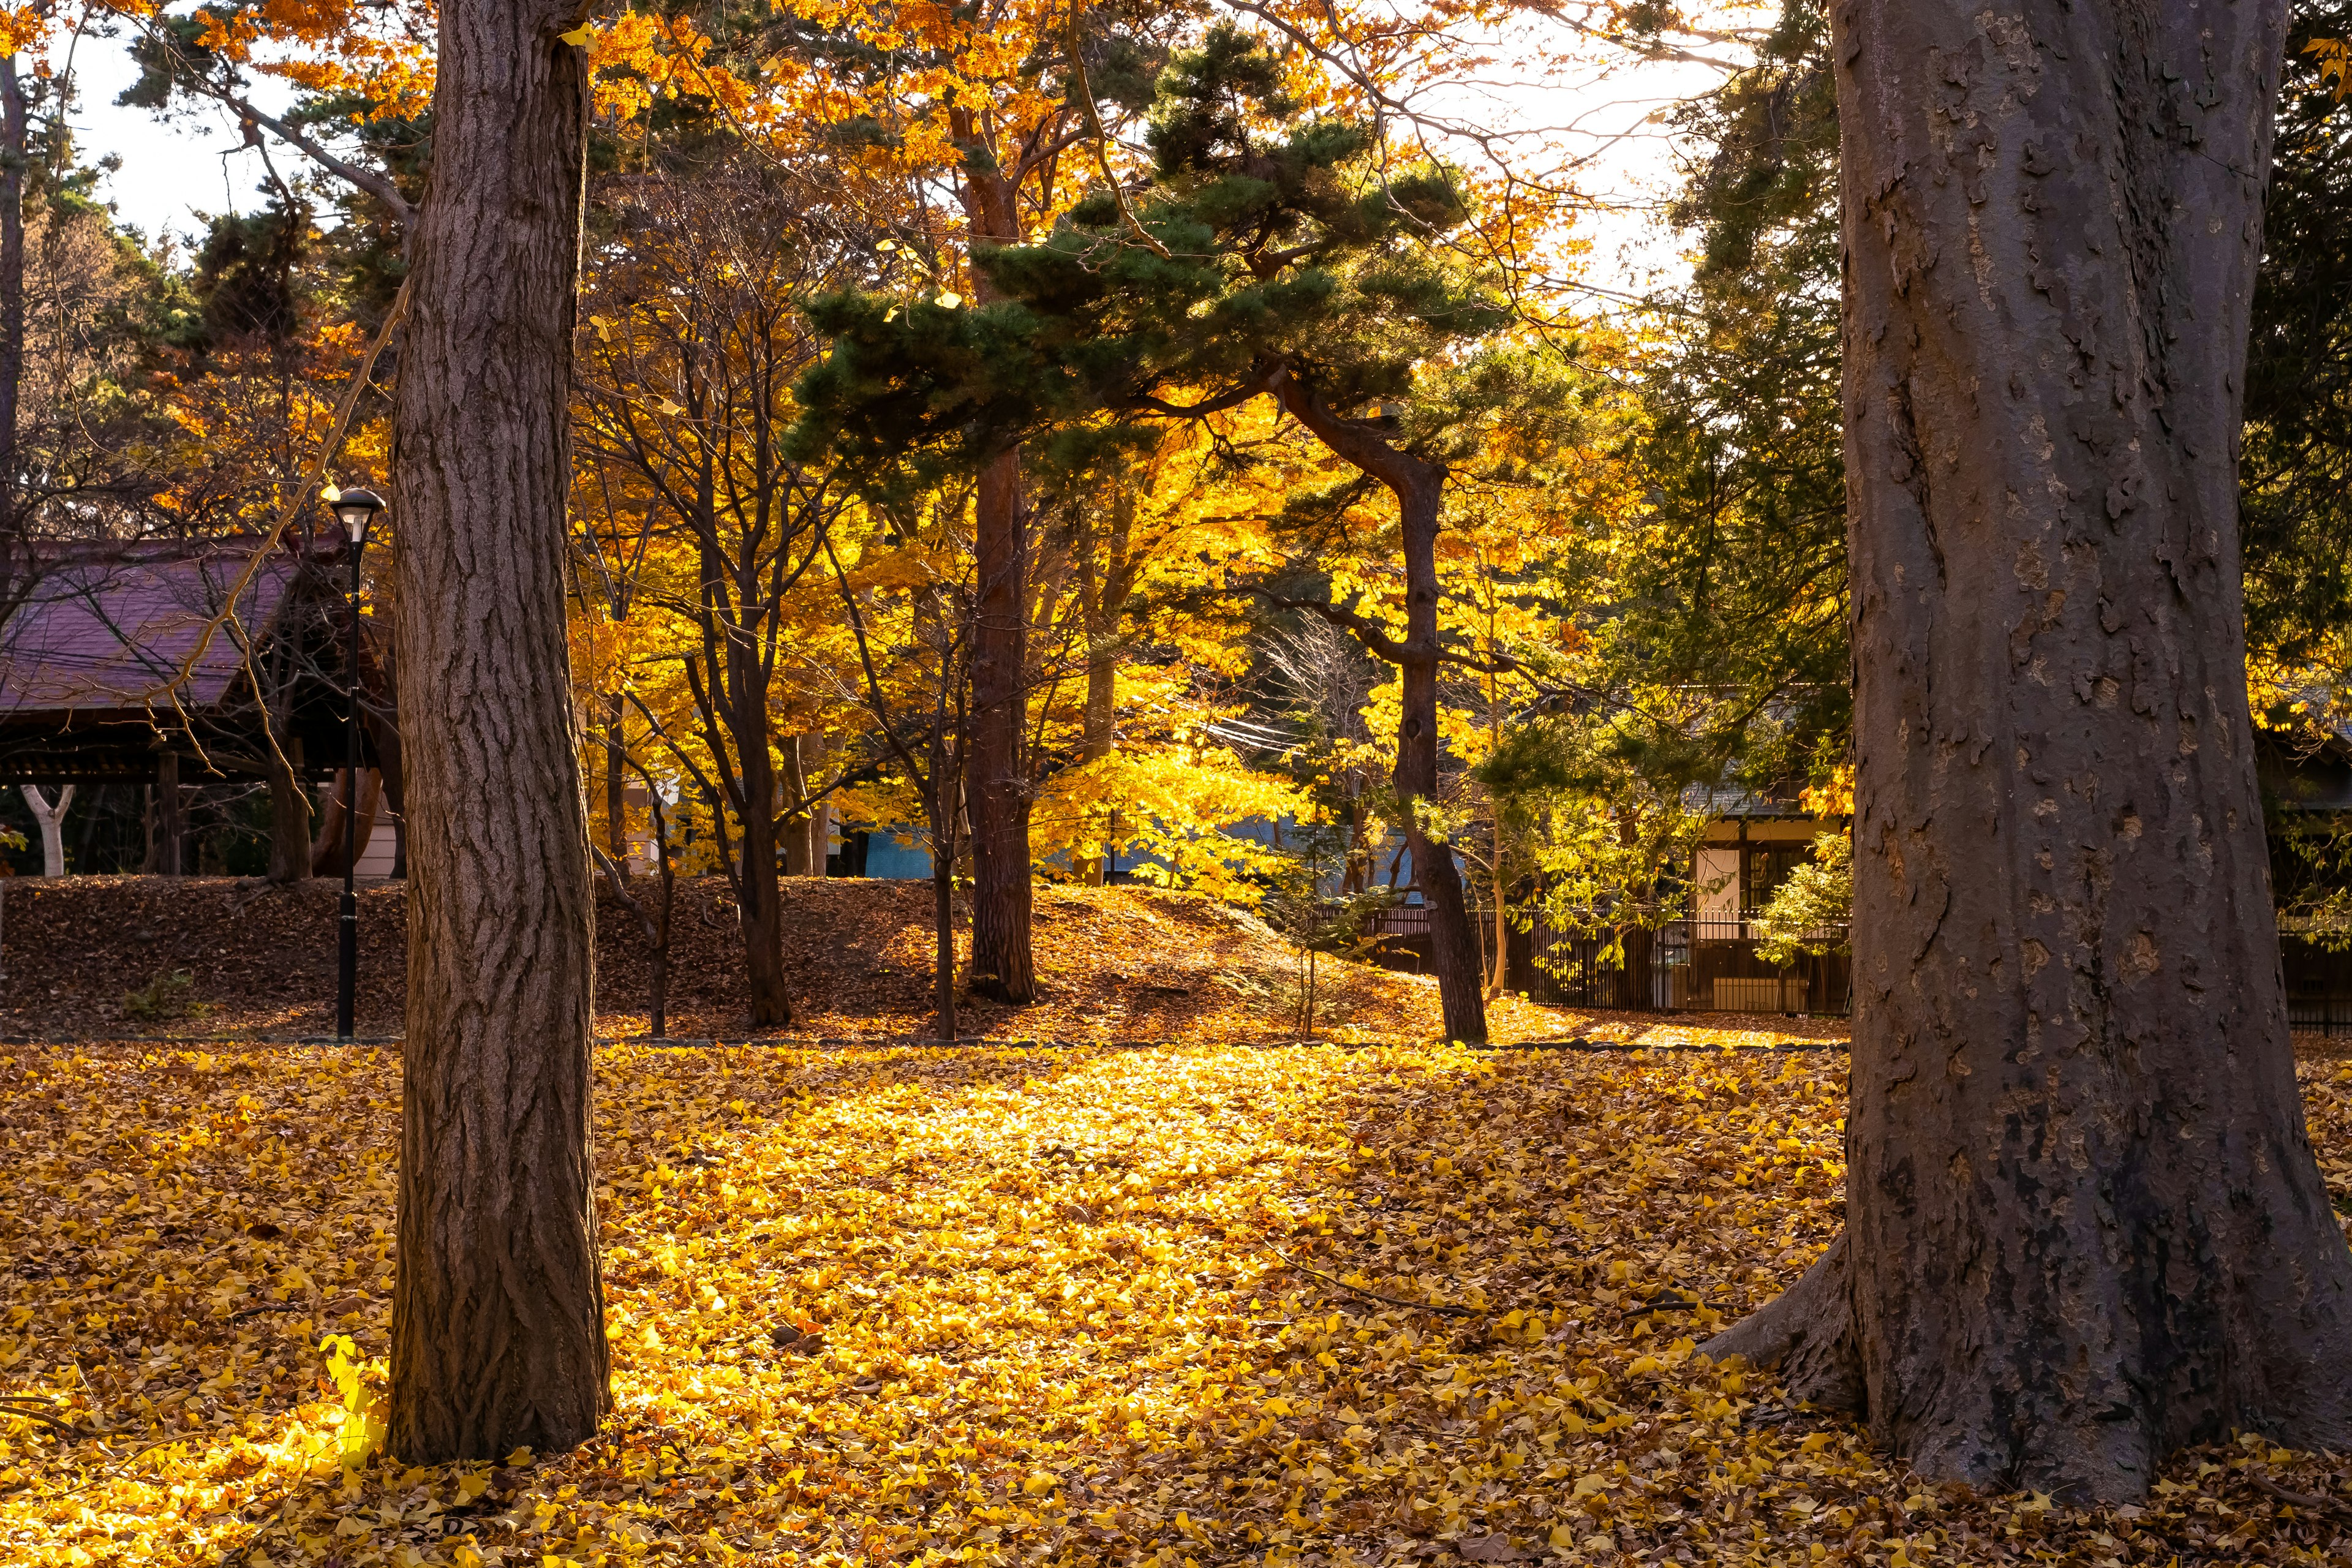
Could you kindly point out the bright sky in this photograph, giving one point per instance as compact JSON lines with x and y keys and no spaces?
{"x":197,"y":165}
{"x":169,"y":172}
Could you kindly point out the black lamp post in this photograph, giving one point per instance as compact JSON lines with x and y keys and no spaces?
{"x":355,"y":509}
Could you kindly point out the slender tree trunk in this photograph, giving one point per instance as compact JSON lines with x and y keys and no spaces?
{"x":940,"y":801}
{"x":943,"y":999}
{"x":171,"y":822}
{"x":815,"y":822}
{"x":658,"y":984}
{"x":1420,"y":490}
{"x":498,"y":1337}
{"x":1102,"y":590}
{"x":2083,"y":1225}
{"x":617,"y":782}
{"x":290,"y":814}
{"x":1452,"y":943}
{"x":52,"y":820}
{"x":801,"y":856}
{"x":1501,"y":972}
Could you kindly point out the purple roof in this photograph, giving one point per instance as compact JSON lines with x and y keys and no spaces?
{"x":109,"y":625}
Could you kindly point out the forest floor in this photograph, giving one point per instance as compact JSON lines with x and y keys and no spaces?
{"x":205,"y":958}
{"x":998,"y":1305}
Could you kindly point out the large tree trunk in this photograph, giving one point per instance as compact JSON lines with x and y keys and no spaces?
{"x":2083,"y":1226}
{"x":498,"y":1337}
{"x":1002,"y":963}
{"x":997,"y":791}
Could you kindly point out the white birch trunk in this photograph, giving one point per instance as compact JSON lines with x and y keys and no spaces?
{"x":52,"y":819}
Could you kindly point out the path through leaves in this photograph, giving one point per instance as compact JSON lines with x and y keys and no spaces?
{"x":1083,"y":1307}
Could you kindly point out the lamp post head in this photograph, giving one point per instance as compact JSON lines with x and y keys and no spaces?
{"x":355,"y":509}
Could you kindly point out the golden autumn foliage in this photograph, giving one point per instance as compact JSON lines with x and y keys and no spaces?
{"x":1090,"y":1306}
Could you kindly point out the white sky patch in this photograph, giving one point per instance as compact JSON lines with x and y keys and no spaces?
{"x":174,"y":173}
{"x":1606,"y":115}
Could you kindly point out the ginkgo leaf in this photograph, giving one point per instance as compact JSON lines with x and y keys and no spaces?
{"x":579,"y":35}
{"x":887,"y":245}
{"x":951,"y":301}
{"x":1057,"y":1325}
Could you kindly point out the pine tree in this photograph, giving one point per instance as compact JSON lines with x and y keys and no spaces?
{"x":1269,"y":252}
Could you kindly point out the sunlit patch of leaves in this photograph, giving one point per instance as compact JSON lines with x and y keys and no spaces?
{"x":1309,"y":1306}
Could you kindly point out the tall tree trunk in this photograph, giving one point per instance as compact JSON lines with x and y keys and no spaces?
{"x":658,"y":984}
{"x":1501,"y":972}
{"x":290,"y":814}
{"x":16,"y":570}
{"x":1420,"y":490}
{"x":13,"y":157}
{"x":1002,"y":965}
{"x":997,"y":791}
{"x":497,"y":1336}
{"x":1453,"y":942}
{"x":941,"y":806}
{"x":759,"y":898}
{"x":52,"y":820}
{"x":1103,"y":589}
{"x":2083,"y":1226}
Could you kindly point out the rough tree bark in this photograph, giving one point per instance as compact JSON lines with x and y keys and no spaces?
{"x":2083,"y":1226}
{"x":13,"y":152}
{"x":1002,"y":965}
{"x":497,"y":1336}
{"x":1420,"y":490}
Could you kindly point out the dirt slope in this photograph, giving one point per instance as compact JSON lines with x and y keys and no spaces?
{"x":1115,"y":963}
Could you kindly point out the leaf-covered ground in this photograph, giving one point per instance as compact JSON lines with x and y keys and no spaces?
{"x":1008,"y":1307}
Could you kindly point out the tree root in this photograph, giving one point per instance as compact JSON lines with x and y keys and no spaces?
{"x":1806,"y":1333}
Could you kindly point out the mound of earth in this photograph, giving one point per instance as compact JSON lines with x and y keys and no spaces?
{"x":99,"y":957}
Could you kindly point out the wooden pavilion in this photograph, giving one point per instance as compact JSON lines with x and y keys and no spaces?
{"x":127,"y":660}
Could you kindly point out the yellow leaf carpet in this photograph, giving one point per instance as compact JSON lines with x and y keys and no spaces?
{"x":1000,"y":1306}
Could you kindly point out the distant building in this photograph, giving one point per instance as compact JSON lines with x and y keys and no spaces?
{"x":161,"y":662}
